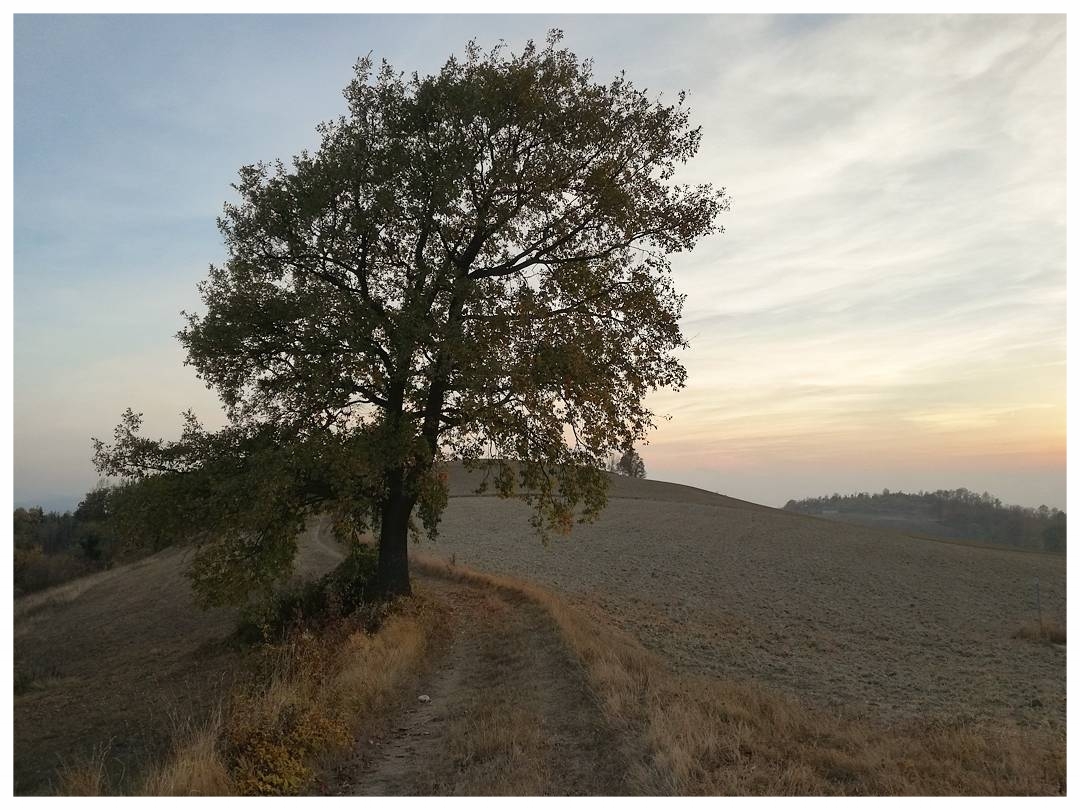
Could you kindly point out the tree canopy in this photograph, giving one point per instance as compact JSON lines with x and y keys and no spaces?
{"x":630,"y":464}
{"x":471,"y":265}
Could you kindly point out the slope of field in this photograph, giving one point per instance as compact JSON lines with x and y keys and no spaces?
{"x":899,"y":523}
{"x":848,"y":617}
{"x":860,"y":620}
{"x":117,"y":659}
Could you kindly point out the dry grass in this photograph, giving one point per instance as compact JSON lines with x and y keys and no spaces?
{"x":377,"y":667}
{"x":494,"y":741}
{"x":62,"y":594}
{"x":692,"y":735}
{"x":499,"y":750}
{"x":1049,"y":631}
{"x":195,"y":766}
{"x":87,"y":777}
{"x":322,"y":690}
{"x":277,"y":731}
{"x":32,"y":680}
{"x":510,"y":712}
{"x":117,"y":655}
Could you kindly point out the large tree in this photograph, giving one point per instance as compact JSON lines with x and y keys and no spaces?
{"x":472,"y":265}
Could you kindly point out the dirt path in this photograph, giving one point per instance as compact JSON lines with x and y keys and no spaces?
{"x":509,"y":713}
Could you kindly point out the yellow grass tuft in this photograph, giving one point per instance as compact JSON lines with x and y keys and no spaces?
{"x":195,"y":766}
{"x":87,"y":777}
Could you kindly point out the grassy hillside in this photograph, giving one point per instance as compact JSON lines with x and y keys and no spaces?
{"x":854,"y":626}
{"x":121,"y":655}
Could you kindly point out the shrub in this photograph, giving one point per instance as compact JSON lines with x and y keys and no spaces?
{"x":337,"y":594}
{"x":35,"y":571}
{"x":268,"y":752}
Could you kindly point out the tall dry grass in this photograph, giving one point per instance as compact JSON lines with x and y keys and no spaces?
{"x":308,"y":698}
{"x":689,"y":735}
{"x":323,"y":688}
{"x":87,"y":777}
{"x":196,"y":764}
{"x":498,"y":749}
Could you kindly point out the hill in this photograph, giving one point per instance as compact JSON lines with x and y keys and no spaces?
{"x":861,"y":623}
{"x":842,"y":615}
{"x":120,"y":655}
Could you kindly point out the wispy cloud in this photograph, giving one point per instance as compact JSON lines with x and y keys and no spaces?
{"x":886,"y":306}
{"x":892,"y":277}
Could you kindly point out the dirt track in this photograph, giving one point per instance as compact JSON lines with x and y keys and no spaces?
{"x":509,"y":713}
{"x":858,"y":619}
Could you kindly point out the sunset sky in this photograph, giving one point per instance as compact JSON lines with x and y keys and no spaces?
{"x":885,"y":309}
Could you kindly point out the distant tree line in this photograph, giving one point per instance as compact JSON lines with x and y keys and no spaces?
{"x":961,"y":512}
{"x":54,"y":547}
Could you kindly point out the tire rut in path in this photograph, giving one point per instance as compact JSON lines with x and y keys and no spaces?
{"x":510,"y":712}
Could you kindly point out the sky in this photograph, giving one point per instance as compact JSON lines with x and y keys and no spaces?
{"x":886,"y":306}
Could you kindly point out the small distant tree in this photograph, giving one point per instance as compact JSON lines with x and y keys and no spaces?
{"x":27,"y":522}
{"x":631,"y":465}
{"x":472,"y":264}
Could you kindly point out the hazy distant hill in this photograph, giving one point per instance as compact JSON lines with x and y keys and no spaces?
{"x":948,"y":514}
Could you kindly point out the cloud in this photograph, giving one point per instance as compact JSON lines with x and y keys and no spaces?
{"x":895,"y":253}
{"x":891,"y":280}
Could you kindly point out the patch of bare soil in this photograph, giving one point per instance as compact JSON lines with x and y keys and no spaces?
{"x":509,"y":713}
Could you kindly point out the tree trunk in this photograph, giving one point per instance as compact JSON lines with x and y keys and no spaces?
{"x":392,"y":576}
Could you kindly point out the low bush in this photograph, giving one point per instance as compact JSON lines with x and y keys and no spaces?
{"x":342,"y":592}
{"x":35,"y":570}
